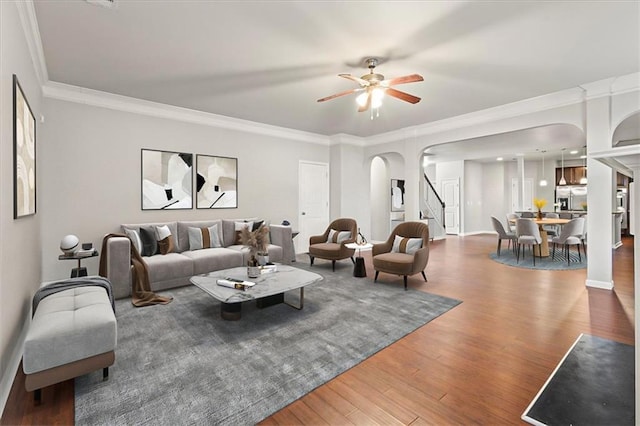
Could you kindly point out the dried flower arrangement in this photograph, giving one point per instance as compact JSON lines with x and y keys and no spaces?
{"x":257,"y":240}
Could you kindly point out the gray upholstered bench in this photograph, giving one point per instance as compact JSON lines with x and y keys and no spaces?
{"x":73,"y":332}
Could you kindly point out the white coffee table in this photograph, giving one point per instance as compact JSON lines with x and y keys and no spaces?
{"x":268,"y":290}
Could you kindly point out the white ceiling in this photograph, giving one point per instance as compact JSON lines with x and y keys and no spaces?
{"x":270,"y":61}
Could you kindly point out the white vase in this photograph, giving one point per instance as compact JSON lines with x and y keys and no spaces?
{"x":263,"y":258}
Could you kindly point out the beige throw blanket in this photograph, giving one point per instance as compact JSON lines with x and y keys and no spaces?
{"x":141,"y":294}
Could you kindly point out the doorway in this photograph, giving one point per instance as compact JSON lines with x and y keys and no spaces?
{"x":313,"y":202}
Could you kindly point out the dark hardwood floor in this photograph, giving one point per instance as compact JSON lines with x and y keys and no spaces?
{"x":480,"y":363}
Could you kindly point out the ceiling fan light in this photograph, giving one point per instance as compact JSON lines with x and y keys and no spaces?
{"x":361,"y":99}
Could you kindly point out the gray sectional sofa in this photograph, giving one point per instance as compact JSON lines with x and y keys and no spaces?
{"x":176,"y":267}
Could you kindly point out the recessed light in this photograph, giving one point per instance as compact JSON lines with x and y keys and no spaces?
{"x":583,"y":156}
{"x":499,"y":159}
{"x":574,"y":152}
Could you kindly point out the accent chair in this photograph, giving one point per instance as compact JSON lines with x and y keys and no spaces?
{"x":405,"y":252}
{"x":331,"y":244}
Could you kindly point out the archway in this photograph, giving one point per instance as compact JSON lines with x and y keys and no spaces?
{"x":383,"y":169}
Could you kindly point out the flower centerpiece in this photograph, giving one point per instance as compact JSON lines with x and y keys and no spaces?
{"x":257,"y":241}
{"x":539,"y":203}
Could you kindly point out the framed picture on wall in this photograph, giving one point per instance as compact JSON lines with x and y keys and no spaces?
{"x":216,"y":182}
{"x":397,"y":195}
{"x":24,"y":154}
{"x":167,"y":180}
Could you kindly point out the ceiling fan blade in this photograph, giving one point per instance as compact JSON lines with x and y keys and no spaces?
{"x":361,"y":82}
{"x":402,"y":80}
{"x":337,"y":95}
{"x":402,"y":95}
{"x":367,"y":104}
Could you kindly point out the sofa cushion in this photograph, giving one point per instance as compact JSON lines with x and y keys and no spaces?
{"x":173,"y":227}
{"x":202,"y":238}
{"x":183,"y":231}
{"x":214,"y":259}
{"x":229,"y":230}
{"x":165,"y":239}
{"x":149,"y":241}
{"x":168,"y":266}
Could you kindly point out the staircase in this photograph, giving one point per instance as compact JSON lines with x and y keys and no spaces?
{"x":432,"y":209}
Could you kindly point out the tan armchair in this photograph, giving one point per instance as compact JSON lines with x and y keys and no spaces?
{"x":399,"y":263}
{"x":319,"y":247}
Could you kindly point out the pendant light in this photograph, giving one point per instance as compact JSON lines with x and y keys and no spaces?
{"x":543,"y":181}
{"x":583,"y":179}
{"x":563,"y":181}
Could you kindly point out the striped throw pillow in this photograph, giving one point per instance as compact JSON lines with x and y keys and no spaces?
{"x":406,"y":245}
{"x":201,"y":238}
{"x":338,"y":236}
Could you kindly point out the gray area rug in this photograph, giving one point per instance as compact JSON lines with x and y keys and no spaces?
{"x":508,"y":257}
{"x":182,"y":364}
{"x":593,"y":385}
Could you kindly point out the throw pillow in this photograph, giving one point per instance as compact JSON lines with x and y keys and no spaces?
{"x":406,"y":245}
{"x":338,"y":236}
{"x":200,"y":238}
{"x":134,"y":236}
{"x":238,"y":227}
{"x":257,"y":224}
{"x":165,"y":239}
{"x":149,"y":242}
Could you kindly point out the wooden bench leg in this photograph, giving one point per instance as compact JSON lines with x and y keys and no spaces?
{"x":105,"y":373}
{"x":37,"y":396}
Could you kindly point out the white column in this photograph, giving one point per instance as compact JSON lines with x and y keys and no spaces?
{"x":600,"y":195}
{"x":521,"y":182}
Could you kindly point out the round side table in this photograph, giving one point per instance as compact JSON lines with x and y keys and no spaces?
{"x":359,"y":270}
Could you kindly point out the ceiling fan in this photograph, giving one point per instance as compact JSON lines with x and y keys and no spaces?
{"x":374,"y":87}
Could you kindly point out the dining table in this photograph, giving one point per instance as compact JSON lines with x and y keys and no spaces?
{"x":543,"y":248}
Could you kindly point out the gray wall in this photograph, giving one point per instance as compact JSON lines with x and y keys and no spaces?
{"x":91,"y":173}
{"x":20,"y":248}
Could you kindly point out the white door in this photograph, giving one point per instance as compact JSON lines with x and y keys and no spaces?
{"x":527,"y":199}
{"x":313,"y":202}
{"x":451,"y":198}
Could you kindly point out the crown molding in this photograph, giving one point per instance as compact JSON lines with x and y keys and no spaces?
{"x":70,"y":93}
{"x":607,"y":87}
{"x":346,"y":139}
{"x":501,"y":112}
{"x":29,"y":21}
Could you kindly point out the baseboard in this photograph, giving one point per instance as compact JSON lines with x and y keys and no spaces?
{"x":605,"y":285}
{"x":12,"y":366}
{"x":466,"y":234}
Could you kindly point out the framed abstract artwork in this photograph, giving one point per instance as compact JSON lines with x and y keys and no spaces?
{"x":167,"y":180}
{"x":216,"y":182}
{"x":397,"y":195}
{"x":24,"y":154}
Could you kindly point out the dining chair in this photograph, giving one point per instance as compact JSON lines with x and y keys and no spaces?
{"x":512,"y":217}
{"x":552,"y":230}
{"x":527,"y":233}
{"x":570,"y":235}
{"x":502,"y":234}
{"x":583,"y":237}
{"x":527,"y":215}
